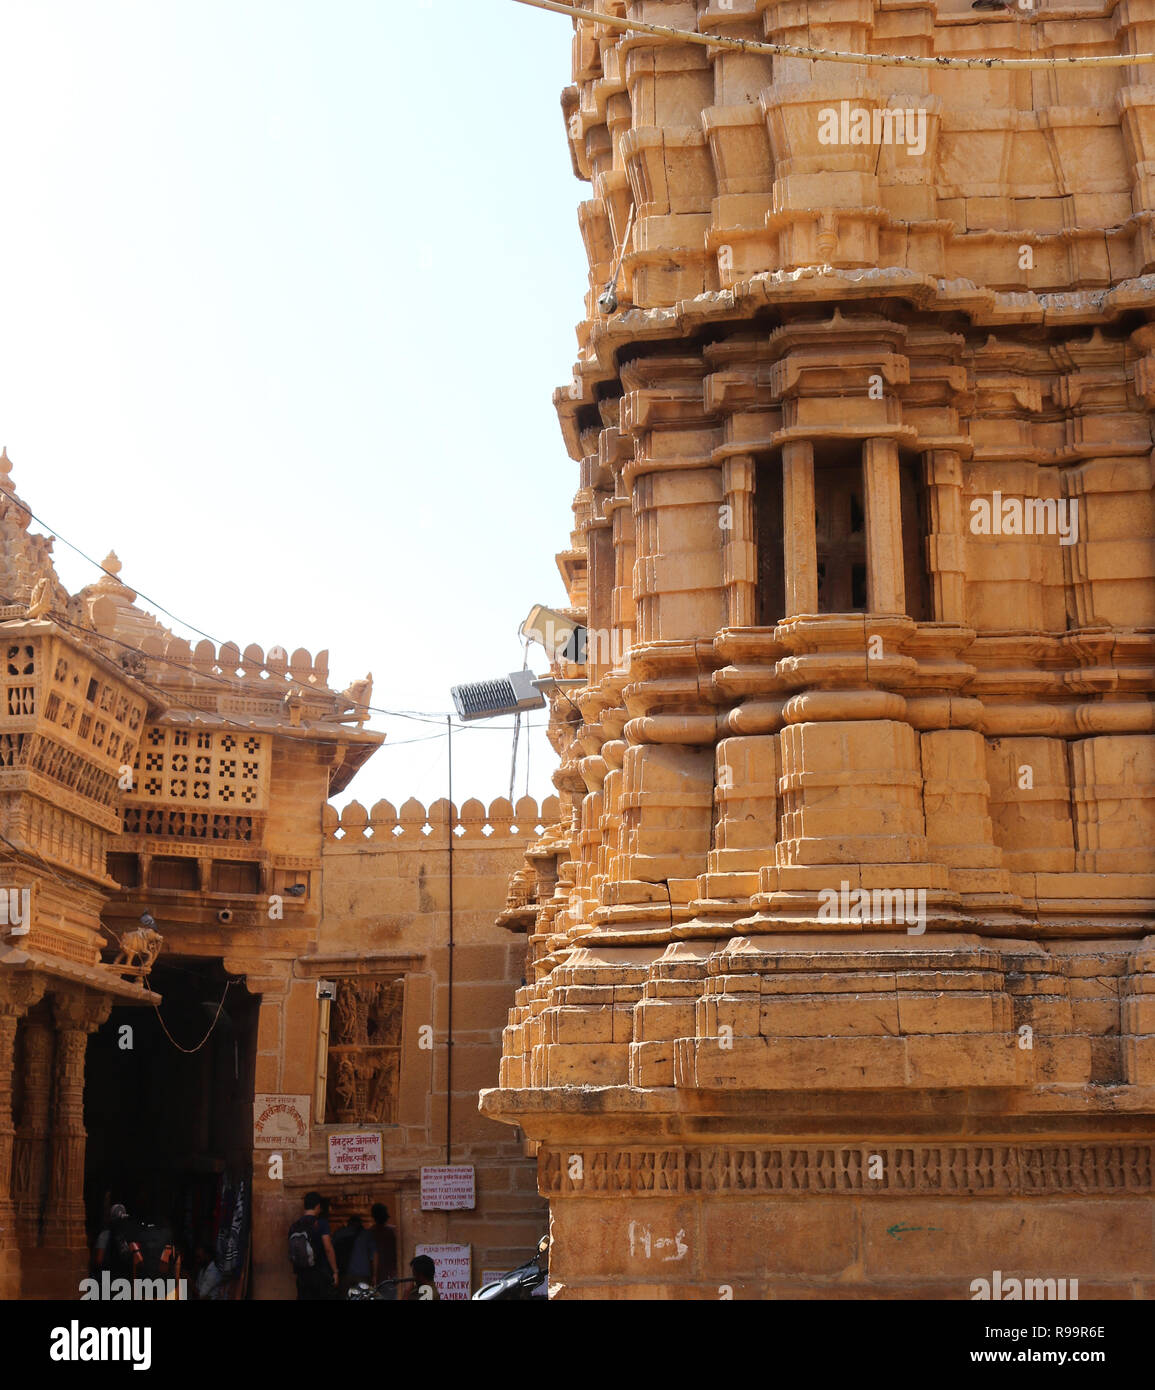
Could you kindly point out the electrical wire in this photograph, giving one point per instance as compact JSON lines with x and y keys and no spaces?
{"x":403,"y":742}
{"x":829,"y":55}
{"x":513,"y":759}
{"x":84,"y":556}
{"x":612,"y":284}
{"x":22,"y":857}
{"x":212,"y":1025}
{"x":167,"y":696}
{"x":528,"y":749}
{"x":416,"y":716}
{"x":430,"y":717}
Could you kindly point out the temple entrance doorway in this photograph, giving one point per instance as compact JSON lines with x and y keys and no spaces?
{"x":168,"y":1105}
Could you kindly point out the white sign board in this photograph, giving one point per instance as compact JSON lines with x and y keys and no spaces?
{"x":448,"y":1189}
{"x":453,"y":1270}
{"x":357,"y":1151}
{"x":281,"y":1122}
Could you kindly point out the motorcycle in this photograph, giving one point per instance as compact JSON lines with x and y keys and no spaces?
{"x":385,"y":1291}
{"x":527,"y":1281}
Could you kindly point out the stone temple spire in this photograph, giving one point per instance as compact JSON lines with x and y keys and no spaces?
{"x":25,"y":558}
{"x":831,"y":667}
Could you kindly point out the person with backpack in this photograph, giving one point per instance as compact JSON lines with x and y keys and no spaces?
{"x":114,"y":1245}
{"x":311,"y":1252}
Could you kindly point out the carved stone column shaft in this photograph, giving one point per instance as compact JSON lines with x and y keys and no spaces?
{"x":64,"y":1217}
{"x":9,"y":1022}
{"x":35,"y":1126}
{"x":943,"y":475}
{"x":884,"y":572}
{"x":76,"y":1017}
{"x":740,"y":564}
{"x":798,"y":527}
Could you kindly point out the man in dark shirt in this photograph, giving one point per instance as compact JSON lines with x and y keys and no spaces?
{"x":424,"y":1288}
{"x":384,"y":1249}
{"x":114,"y":1245}
{"x":321,"y":1281}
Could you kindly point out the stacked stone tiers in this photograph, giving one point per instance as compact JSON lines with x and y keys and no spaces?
{"x":828,"y":664}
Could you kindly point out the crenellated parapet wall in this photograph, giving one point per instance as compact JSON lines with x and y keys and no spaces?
{"x":384,"y":828}
{"x":277,"y":667}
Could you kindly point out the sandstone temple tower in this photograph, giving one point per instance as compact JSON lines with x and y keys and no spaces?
{"x":846,"y":929}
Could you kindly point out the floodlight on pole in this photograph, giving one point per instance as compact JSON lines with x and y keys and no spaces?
{"x":564,"y":638}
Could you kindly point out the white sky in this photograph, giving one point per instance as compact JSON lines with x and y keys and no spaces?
{"x":285,"y":288}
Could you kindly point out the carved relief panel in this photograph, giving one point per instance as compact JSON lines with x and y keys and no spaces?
{"x":364,"y":1051}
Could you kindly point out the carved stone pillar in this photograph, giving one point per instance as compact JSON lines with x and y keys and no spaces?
{"x":76,"y":1016}
{"x":622,"y":613}
{"x":35,"y":1126}
{"x":740,"y":561}
{"x":798,"y":527}
{"x":16,"y":997}
{"x":884,"y":575}
{"x":9,"y":1247}
{"x":942,"y":471}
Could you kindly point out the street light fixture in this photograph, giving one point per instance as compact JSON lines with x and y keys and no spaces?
{"x":510,"y":694}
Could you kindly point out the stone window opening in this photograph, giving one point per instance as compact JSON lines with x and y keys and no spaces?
{"x":840,"y":535}
{"x":179,"y":875}
{"x":841,"y":574}
{"x":915,"y":531}
{"x":768,"y":522}
{"x":236,"y":876}
{"x":124,"y":868}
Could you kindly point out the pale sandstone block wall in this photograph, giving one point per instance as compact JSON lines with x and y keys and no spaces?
{"x":386,"y":914}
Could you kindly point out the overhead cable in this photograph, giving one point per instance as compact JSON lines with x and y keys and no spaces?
{"x":832,"y":55}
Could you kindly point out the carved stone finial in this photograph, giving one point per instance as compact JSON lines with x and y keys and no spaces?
{"x":19,"y":513}
{"x":110,"y":583}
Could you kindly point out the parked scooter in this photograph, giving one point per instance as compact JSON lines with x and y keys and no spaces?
{"x":386,"y":1291}
{"x":527,"y":1281}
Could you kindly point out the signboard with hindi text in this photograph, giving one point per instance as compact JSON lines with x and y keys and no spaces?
{"x":281,"y":1122}
{"x":448,"y":1189}
{"x":356,"y":1151}
{"x":453,"y":1270}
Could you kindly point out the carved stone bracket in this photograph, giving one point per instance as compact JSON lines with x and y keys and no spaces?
{"x":19,"y":992}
